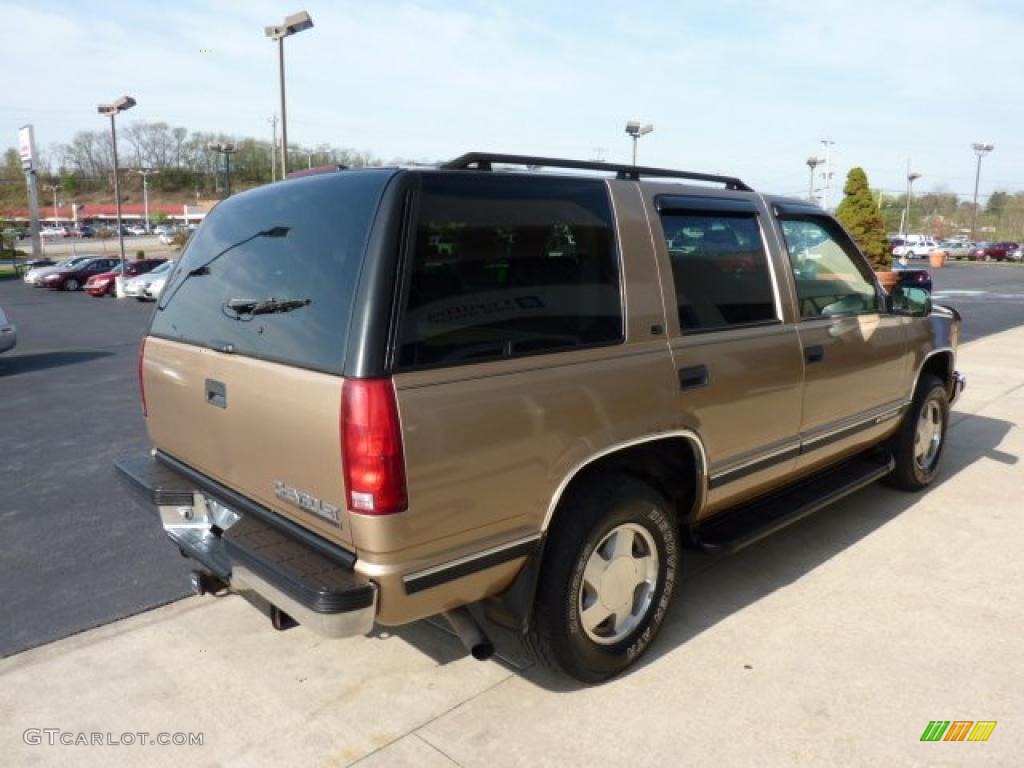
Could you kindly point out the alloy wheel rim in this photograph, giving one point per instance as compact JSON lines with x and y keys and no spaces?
{"x":928,"y":436}
{"x":619,"y":582}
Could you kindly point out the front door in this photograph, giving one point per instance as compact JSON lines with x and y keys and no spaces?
{"x":854,"y":351}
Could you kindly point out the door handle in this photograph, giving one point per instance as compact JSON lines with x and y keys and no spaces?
{"x":814,"y":353}
{"x":693,"y":377}
{"x":216,"y":393}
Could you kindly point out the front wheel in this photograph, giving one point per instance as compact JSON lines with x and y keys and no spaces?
{"x":918,"y":444}
{"x":71,"y":285}
{"x":609,"y":571}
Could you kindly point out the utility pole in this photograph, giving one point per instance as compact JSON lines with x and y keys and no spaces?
{"x":27,"y":150}
{"x":273,"y":146}
{"x":145,"y":173}
{"x":828,"y":168}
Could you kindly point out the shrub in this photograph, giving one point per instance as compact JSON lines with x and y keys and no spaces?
{"x":862,"y":219}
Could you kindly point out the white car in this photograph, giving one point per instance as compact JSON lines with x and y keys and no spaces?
{"x":53,"y":232}
{"x":35,"y":275}
{"x":136,"y":229}
{"x":914,"y":248}
{"x":159,"y":229}
{"x":8,"y":333}
{"x":139,"y":287}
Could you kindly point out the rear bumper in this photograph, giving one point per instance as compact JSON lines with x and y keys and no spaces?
{"x":959,"y":385}
{"x":263,"y":559}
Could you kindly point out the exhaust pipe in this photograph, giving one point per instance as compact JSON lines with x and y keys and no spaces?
{"x":470,"y":633}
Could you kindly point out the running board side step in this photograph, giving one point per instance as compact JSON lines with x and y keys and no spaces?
{"x":761,"y":517}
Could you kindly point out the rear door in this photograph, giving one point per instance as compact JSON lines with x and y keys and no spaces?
{"x":734,"y":345}
{"x":253,"y":400}
{"x":854,"y":351}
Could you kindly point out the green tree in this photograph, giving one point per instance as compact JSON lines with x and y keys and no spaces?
{"x":859,"y":213}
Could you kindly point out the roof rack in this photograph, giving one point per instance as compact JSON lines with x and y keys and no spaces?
{"x":484,"y":161}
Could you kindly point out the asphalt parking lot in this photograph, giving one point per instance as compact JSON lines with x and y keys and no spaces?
{"x":76,"y":553}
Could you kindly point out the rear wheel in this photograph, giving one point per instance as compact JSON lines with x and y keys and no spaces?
{"x":918,"y":444}
{"x":610,"y":568}
{"x":71,"y":285}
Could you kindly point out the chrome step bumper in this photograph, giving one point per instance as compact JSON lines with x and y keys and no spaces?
{"x":262,"y":559}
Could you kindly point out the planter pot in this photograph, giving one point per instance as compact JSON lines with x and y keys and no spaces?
{"x":887,"y":279}
{"x":937,"y":259}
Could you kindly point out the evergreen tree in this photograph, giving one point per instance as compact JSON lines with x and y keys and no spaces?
{"x":862,"y":219}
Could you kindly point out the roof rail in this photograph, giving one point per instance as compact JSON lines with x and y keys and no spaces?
{"x":484,"y":161}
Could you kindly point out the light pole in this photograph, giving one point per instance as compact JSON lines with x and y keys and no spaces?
{"x":112,"y":109}
{"x":812,"y":163}
{"x":911,"y":178}
{"x":145,"y":173}
{"x":636,"y":130}
{"x":297,"y":22}
{"x":980,"y":149}
{"x":226,"y":149}
{"x":273,"y":146}
{"x":828,"y":168}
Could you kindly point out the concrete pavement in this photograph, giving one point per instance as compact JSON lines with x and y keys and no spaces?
{"x":834,"y":642}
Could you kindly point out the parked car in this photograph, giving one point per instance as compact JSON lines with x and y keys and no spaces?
{"x":913,"y":276}
{"x":136,"y":229}
{"x":35,"y":275}
{"x":992,"y":251}
{"x":913,"y":249}
{"x":536,"y":420}
{"x":1017,"y":254}
{"x":84,"y":231}
{"x":152,"y":290}
{"x":53,"y":232}
{"x":8,"y":333}
{"x":72,"y":278}
{"x":135,"y":287}
{"x":159,"y":229}
{"x":955,"y":249}
{"x":169,"y":235}
{"x":103,"y":283}
{"x":34,"y":263}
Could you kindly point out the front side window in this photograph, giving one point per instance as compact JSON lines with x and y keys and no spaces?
{"x":505,"y":265}
{"x":830,"y":279}
{"x":720,"y":270}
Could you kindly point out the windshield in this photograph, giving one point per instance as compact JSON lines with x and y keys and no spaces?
{"x":296,"y":247}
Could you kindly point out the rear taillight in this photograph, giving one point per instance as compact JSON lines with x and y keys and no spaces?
{"x":142,"y":379}
{"x":372,"y":457}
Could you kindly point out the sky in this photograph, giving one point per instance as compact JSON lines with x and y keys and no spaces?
{"x":744,"y":88}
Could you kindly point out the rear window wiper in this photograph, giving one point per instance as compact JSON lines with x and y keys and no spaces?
{"x":252,"y":307}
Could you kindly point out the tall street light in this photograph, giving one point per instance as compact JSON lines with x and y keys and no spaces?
{"x":145,"y":173}
{"x":112,"y":109}
{"x":812,"y":163}
{"x":912,"y":176}
{"x":980,"y":149}
{"x":636,"y":130}
{"x":227,"y":149}
{"x":297,"y":22}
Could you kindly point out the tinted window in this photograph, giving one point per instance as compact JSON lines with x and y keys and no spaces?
{"x":720,"y":269}
{"x":508,"y":265}
{"x":298,"y":240}
{"x":831,"y":278}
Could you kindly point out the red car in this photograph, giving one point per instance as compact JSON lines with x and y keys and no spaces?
{"x":72,"y":278}
{"x":103,"y":284}
{"x":992,"y":251}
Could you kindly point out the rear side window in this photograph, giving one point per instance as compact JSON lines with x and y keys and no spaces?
{"x":298,"y":245}
{"x":720,"y":269}
{"x":506,"y":265}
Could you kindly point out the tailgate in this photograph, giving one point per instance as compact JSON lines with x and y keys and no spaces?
{"x":266,"y":430}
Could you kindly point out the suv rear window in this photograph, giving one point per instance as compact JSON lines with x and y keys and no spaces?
{"x":298,"y":240}
{"x":507,"y":265}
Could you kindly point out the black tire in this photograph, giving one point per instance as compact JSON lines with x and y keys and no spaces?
{"x":71,"y":285}
{"x":558,"y":636}
{"x":911,"y":472}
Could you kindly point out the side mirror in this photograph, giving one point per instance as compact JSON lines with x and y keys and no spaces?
{"x":910,"y":300}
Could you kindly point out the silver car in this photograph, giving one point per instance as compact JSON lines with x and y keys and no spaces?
{"x":35,"y":275}
{"x":139,"y":287}
{"x":8,"y":333}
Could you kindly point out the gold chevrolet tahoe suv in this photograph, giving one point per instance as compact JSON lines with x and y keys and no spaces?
{"x":523,"y":383}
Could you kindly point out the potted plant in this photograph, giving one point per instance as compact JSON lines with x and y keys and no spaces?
{"x":937,"y":258}
{"x":862,"y":219}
